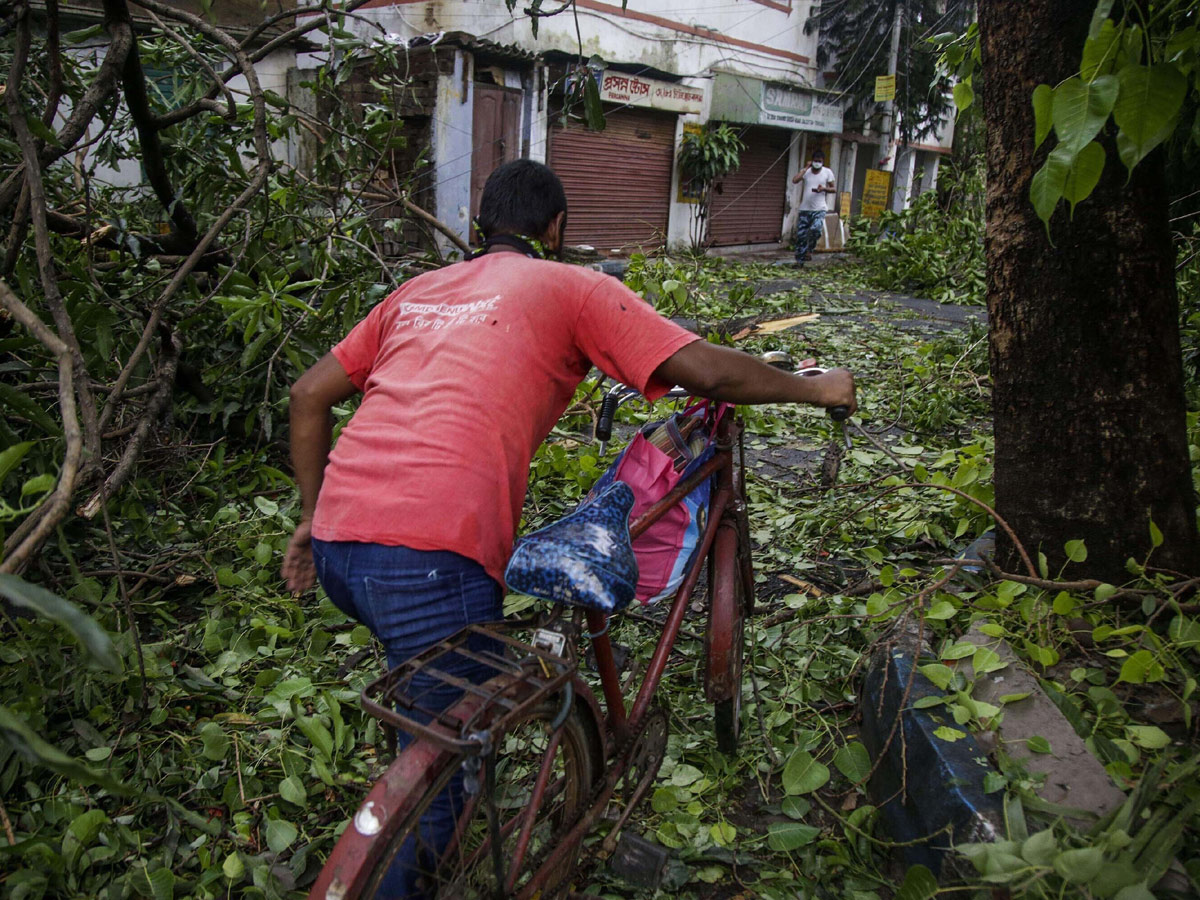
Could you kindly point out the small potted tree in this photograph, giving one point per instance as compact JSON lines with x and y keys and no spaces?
{"x":705,"y":157}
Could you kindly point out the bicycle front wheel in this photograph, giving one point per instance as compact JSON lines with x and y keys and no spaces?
{"x":543,"y":781}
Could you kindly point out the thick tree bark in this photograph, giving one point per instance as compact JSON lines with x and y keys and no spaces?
{"x":1088,"y":378}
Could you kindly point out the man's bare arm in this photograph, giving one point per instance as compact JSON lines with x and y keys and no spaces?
{"x":722,"y":373}
{"x":313,"y":395}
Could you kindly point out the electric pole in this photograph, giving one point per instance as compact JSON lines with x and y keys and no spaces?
{"x":889,"y":106}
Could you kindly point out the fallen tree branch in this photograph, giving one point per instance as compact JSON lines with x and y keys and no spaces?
{"x":165,"y":385}
{"x":24,"y":541}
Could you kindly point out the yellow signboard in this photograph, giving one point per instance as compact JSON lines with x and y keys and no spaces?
{"x":885,"y":88}
{"x":875,"y":192}
{"x":844,"y":204}
{"x":689,"y":192}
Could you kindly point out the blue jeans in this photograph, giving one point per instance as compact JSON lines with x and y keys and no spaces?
{"x":411,"y":599}
{"x":809,"y":224}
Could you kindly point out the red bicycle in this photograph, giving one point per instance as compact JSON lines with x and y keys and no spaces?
{"x":542,"y":760}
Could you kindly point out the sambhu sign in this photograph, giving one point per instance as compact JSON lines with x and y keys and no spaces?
{"x":782,"y":105}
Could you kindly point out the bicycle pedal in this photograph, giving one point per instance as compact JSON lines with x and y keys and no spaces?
{"x":639,"y":862}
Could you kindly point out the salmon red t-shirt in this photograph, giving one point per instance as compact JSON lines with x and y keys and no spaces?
{"x":464,"y":372}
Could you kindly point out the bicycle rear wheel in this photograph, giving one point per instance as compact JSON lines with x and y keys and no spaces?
{"x":725,"y":635}
{"x":561,"y":765}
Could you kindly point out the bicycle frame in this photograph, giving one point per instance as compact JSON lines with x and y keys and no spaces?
{"x":345,"y":873}
{"x":725,"y":499}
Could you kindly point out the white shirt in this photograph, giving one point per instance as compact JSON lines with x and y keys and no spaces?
{"x":810,"y":200}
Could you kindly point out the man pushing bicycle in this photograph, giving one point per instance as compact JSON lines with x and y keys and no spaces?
{"x":409,"y":521}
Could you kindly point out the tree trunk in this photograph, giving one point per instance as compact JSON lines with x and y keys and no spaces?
{"x":1088,"y":379}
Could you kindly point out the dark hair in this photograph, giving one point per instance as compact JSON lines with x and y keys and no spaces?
{"x":818,"y":154}
{"x":520,"y":197}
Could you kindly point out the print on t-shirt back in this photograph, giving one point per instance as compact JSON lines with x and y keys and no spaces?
{"x":425,"y":316}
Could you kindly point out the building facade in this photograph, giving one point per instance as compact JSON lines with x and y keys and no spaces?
{"x":661,"y":67}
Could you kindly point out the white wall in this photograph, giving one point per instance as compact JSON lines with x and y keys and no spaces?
{"x":452,"y":128}
{"x":669,"y":43}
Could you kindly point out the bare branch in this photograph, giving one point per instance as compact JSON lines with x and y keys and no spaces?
{"x":46,"y":268}
{"x":26,"y":539}
{"x":138,"y":102}
{"x":164,"y":386}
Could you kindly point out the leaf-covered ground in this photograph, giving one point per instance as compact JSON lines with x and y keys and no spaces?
{"x":243,"y":749}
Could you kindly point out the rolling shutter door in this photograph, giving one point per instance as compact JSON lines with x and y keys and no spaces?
{"x":749,"y":207}
{"x":618,"y":181}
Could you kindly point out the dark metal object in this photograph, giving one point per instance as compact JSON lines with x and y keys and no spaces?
{"x":926,"y":787}
{"x":639,"y":862}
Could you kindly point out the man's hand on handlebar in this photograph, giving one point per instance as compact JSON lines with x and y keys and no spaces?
{"x":722,"y":373}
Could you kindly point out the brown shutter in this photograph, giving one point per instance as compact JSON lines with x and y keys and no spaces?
{"x":749,"y":207}
{"x":618,"y":181}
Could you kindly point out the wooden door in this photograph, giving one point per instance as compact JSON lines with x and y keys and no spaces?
{"x":495,"y":136}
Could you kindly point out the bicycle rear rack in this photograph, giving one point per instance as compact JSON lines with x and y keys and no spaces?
{"x":515,"y":677}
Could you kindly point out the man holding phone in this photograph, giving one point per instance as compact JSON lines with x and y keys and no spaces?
{"x":818,"y":180}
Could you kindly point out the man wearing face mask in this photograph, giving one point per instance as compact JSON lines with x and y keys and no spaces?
{"x":409,"y":522}
{"x":817,"y":182}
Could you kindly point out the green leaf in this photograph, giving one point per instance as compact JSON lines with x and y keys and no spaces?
{"x":959,"y":650}
{"x":1080,"y":109}
{"x":215,"y":740}
{"x":292,"y":790}
{"x":1038,"y":744}
{"x":1103,"y":592}
{"x":91,"y":636}
{"x":796,"y":807}
{"x":1134,"y":892}
{"x":783,"y":837}
{"x":1040,"y":849}
{"x":266,"y":506}
{"x":1148,"y":736}
{"x":853,"y":761}
{"x":1064,"y":604}
{"x":1076,"y":551}
{"x":593,"y":109}
{"x":280,"y":834}
{"x":86,"y":826}
{"x":986,"y":660}
{"x":1013,"y":698}
{"x":1084,"y":174}
{"x":29,"y":744}
{"x":946,"y":733}
{"x":941,"y":610}
{"x":964,"y":95}
{"x":38,"y":484}
{"x":1145,"y":111}
{"x":1156,"y":535}
{"x":919,"y":884}
{"x":1079,"y":866}
{"x":939,"y":674}
{"x":803,"y":774}
{"x":83,"y":34}
{"x":1046,"y":188}
{"x":723,"y":834}
{"x":11,"y":456}
{"x":1100,"y":51}
{"x":28,"y":409}
{"x":1103,"y":8}
{"x":1043,"y":117}
{"x":159,"y":884}
{"x":1141,"y":668}
{"x":233,"y":867}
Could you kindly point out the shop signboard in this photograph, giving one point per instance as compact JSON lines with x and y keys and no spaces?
{"x":885,"y":88}
{"x":634,"y":90}
{"x":875,"y":192}
{"x":738,"y":98}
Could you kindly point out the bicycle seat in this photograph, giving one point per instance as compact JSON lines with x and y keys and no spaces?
{"x":584,"y":559}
